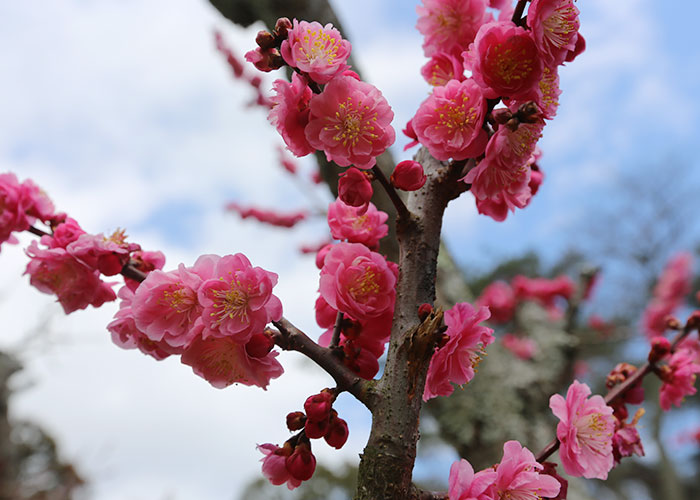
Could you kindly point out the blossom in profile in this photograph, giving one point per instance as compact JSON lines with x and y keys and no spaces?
{"x":351,"y":122}
{"x":522,"y":347}
{"x":504,"y":61}
{"x":357,"y":281}
{"x":107,"y":255}
{"x":668,"y":294}
{"x":21,"y":204}
{"x":290,"y":113}
{"x":464,"y":484}
{"x":585,"y":432}
{"x":449,"y":26}
{"x":678,"y":378}
{"x":441,"y":68}
{"x":520,"y":476}
{"x":317,"y":50}
{"x":223,"y":361}
{"x":455,"y":361}
{"x":449,"y":122}
{"x":554,"y":25}
{"x":237,"y":299}
{"x":357,"y":225}
{"x":274,"y":466}
{"x":55,"y":271}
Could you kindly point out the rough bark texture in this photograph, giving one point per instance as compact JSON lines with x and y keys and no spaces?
{"x":386,"y":465}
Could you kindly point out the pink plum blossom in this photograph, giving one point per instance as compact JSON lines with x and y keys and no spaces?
{"x":554,"y":25}
{"x":626,"y":441}
{"x":504,"y":61}
{"x":75,"y":285}
{"x":449,"y":25}
{"x":272,"y":217}
{"x":465,"y":485}
{"x":679,"y":378}
{"x":290,"y":113}
{"x":126,"y":335}
{"x":107,"y":255}
{"x":351,"y":122}
{"x":357,"y":281}
{"x":585,"y":431}
{"x":520,"y":476}
{"x":317,"y":50}
{"x":223,"y":361}
{"x":670,"y":290}
{"x":63,"y":235}
{"x":20,"y":205}
{"x":522,"y":347}
{"x":274,"y":466}
{"x":408,"y":175}
{"x":455,"y":361}
{"x":544,"y":291}
{"x":449,"y":122}
{"x":442,"y":68}
{"x":499,"y":298}
{"x":356,"y":225}
{"x":237,"y":299}
{"x":165,"y":306}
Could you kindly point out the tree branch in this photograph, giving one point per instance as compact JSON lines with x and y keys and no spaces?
{"x":290,"y":338}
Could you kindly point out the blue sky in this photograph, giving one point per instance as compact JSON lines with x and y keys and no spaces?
{"x":126,"y":115}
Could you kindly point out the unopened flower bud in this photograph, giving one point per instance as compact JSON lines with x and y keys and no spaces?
{"x":660,"y":348}
{"x":354,"y":188}
{"x":528,"y":112}
{"x":338,"y":432}
{"x":296,"y":420}
{"x":424,"y":311}
{"x":315,"y":429}
{"x":301,"y":464}
{"x":318,"y":406}
{"x":408,"y":175}
{"x":282,"y":25}
{"x":501,"y":115}
{"x":265,"y":40}
{"x":259,"y":345}
{"x":672,"y":323}
{"x":693,"y":321}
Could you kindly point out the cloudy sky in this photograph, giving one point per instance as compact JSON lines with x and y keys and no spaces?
{"x":126,"y":115}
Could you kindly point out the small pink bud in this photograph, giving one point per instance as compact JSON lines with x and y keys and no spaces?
{"x":424,"y":311}
{"x":693,"y":321}
{"x":408,"y":175}
{"x":354,"y":188}
{"x":296,"y":420}
{"x":259,"y":345}
{"x":338,"y":432}
{"x":318,"y":406}
{"x":672,"y":323}
{"x":301,"y":464}
{"x":660,"y":347}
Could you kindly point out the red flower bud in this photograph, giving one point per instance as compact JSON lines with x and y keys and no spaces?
{"x":424,"y":311}
{"x":660,"y":348}
{"x":301,"y":464}
{"x":337,"y":433}
{"x":259,"y":345}
{"x":354,"y":188}
{"x":315,"y":429}
{"x":282,"y":25}
{"x":265,"y":40}
{"x":296,"y":420}
{"x":408,"y":175}
{"x":318,"y":407}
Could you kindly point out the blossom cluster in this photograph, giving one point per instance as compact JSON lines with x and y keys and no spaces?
{"x":213,"y":314}
{"x":294,"y":462}
{"x":515,"y":63}
{"x":326,"y":106}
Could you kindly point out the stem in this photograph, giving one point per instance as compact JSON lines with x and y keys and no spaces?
{"x":335,"y":340}
{"x":403,"y":212}
{"x":37,"y":232}
{"x":518,"y":12}
{"x":290,"y":338}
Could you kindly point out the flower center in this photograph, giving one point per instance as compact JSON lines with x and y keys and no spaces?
{"x":318,"y":45}
{"x":457,"y":116}
{"x":366,"y":284}
{"x":179,"y":298}
{"x":559,"y":25}
{"x":231,"y":303}
{"x":353,"y":123}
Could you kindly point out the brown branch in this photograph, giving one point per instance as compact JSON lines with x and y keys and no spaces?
{"x":518,"y":12}
{"x":401,"y":209}
{"x":620,"y":390}
{"x":335,"y":340}
{"x":290,"y":338}
{"x":37,"y":232}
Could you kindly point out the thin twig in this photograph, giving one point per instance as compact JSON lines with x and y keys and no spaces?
{"x":335,"y":340}
{"x":37,"y":232}
{"x":403,"y":212}
{"x":518,"y":12}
